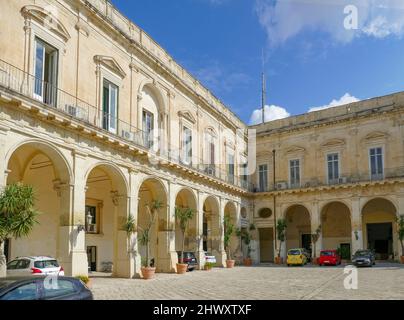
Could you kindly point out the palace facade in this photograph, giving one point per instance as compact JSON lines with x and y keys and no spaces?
{"x":101,"y":121}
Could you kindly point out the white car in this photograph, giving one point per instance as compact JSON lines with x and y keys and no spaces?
{"x":209,"y":258}
{"x":35,"y":266}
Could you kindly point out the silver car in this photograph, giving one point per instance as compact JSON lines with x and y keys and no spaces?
{"x":34,"y":266}
{"x":364,"y":258}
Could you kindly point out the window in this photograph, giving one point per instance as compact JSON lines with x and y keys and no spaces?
{"x":333,"y":167}
{"x":210,"y":154}
{"x":62,"y":288}
{"x":12,"y":265}
{"x":23,"y":264}
{"x":46,"y":69}
{"x":294,"y":173}
{"x":27,"y":291}
{"x":376,"y":163}
{"x":110,"y":106}
{"x":230,"y":167}
{"x":148,"y":126}
{"x":265,"y":213}
{"x":244,"y":175}
{"x":187,"y":145}
{"x":46,"y":264}
{"x":92,"y":227}
{"x":263,"y":177}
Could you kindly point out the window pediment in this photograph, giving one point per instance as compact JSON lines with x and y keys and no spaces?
{"x":46,"y":19}
{"x":111,"y":64}
{"x":210,"y":131}
{"x":375,"y":135}
{"x":295,"y":149}
{"x":187,"y":115}
{"x":333,"y":143}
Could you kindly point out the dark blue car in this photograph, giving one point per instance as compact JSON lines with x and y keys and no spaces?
{"x":44,"y":288}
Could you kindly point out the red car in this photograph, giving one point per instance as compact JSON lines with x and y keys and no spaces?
{"x":329,"y":257}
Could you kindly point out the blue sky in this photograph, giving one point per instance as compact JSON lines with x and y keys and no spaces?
{"x":311,"y":59}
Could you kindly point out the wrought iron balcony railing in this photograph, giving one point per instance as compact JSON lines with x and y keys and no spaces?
{"x":50,"y":96}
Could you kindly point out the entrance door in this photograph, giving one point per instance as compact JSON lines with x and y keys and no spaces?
{"x":92,"y":258}
{"x":306,"y":242}
{"x":345,"y":251}
{"x":266,"y":244}
{"x":7,"y":249}
{"x":380,"y":239}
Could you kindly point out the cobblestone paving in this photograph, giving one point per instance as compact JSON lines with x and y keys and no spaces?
{"x":384,"y":281}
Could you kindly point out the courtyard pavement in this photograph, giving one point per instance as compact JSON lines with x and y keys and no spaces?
{"x":264,"y":282}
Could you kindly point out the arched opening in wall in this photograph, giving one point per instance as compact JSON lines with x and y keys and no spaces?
{"x":149,"y":115}
{"x":230,"y":210}
{"x":211,"y":227}
{"x":42,"y":167}
{"x":298,"y":232}
{"x":379,"y":228}
{"x":186,"y":200}
{"x":152,"y":191}
{"x":266,"y":237}
{"x":105,"y":213}
{"x":336,"y":228}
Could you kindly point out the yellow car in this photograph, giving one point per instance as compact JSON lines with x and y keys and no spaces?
{"x":296,"y":257}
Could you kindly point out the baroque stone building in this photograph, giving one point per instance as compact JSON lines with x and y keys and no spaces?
{"x":101,"y":121}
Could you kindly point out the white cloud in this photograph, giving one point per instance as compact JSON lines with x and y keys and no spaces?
{"x":284,"y":19}
{"x":345,"y":99}
{"x":271,"y":113}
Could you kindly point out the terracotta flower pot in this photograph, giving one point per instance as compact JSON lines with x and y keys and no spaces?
{"x":402,"y":259}
{"x":278,"y":260}
{"x":182,"y":268}
{"x":247,"y":262}
{"x":207,"y":268}
{"x":314,"y":261}
{"x":230,"y":263}
{"x":148,"y":273}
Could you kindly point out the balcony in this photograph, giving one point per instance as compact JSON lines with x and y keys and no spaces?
{"x":53,"y":98}
{"x":364,"y":177}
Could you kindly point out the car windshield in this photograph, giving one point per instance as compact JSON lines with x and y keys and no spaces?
{"x":294,"y":252}
{"x":46,"y":264}
{"x":327,"y":253}
{"x":362,"y":253}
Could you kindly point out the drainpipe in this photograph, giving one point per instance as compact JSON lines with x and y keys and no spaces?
{"x":274,"y":196}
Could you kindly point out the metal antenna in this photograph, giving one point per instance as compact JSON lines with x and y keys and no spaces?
{"x":263,"y":88}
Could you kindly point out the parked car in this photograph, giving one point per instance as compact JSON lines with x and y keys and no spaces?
{"x":210,"y":258}
{"x":42,"y":288}
{"x":190,"y":259}
{"x":364,"y":258}
{"x":296,"y":257}
{"x":34,"y":266}
{"x":329,"y":257}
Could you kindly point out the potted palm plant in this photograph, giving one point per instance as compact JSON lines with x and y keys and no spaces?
{"x":17,"y":216}
{"x":314,"y":238}
{"x":148,"y":269}
{"x":281,"y":235}
{"x":400,"y":231}
{"x":183,"y":216}
{"x":228,"y":232}
{"x":246,"y":238}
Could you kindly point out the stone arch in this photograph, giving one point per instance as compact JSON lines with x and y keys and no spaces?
{"x":379,"y":227}
{"x":212,"y":240}
{"x":44,"y":167}
{"x":298,"y":232}
{"x":114,"y":172}
{"x":336,"y":227}
{"x":106,"y":211}
{"x":152,"y":189}
{"x":186,"y":198}
{"x":62,"y":168}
